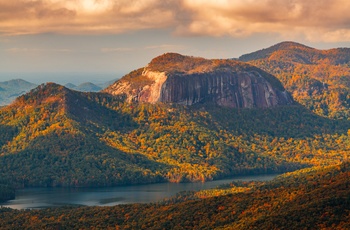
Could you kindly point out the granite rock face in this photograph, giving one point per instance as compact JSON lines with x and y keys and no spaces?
{"x":173,"y":78}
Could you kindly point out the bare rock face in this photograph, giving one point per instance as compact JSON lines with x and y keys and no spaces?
{"x":173,"y":78}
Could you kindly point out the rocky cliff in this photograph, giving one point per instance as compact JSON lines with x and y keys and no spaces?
{"x":174,"y":78}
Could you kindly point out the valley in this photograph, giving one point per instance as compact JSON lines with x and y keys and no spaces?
{"x":40,"y":198}
{"x":311,"y":198}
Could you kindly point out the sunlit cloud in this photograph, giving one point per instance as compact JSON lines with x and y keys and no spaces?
{"x":316,"y":20}
{"x":82,"y":16}
{"x":311,"y":19}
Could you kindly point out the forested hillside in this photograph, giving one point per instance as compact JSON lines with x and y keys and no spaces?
{"x":317,"y":79}
{"x":53,"y":137}
{"x":59,"y":137}
{"x":7,"y":192}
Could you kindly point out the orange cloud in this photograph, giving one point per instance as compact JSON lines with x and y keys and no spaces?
{"x":81,"y":16}
{"x":317,"y":20}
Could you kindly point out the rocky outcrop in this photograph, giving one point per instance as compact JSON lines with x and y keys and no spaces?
{"x":239,"y":90}
{"x":187,"y":80}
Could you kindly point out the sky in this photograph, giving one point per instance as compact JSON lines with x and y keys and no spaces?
{"x":84,"y":40}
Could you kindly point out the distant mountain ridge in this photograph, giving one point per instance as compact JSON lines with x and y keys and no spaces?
{"x":174,"y":78}
{"x":299,"y":53}
{"x":10,"y":90}
{"x":84,"y":87}
{"x":267,"y":52}
{"x":318,"y":79}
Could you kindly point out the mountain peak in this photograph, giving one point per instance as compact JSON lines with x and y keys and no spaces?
{"x":17,"y":83}
{"x":47,"y":92}
{"x":168,"y":58}
{"x":17,"y":80}
{"x":287,"y":45}
{"x":283,"y":47}
{"x":310,"y":74}
{"x":88,"y":87}
{"x":174,"y":62}
{"x":293,"y":52}
{"x":51,"y":87}
{"x":70,"y":86}
{"x":10,"y":90}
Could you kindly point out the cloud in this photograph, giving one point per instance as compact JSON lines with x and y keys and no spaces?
{"x":311,"y":19}
{"x":82,"y":16}
{"x":116,"y":50}
{"x":165,"y":47}
{"x":34,"y":50}
{"x":316,"y":20}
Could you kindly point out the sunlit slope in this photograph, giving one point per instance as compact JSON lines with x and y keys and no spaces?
{"x":318,"y":79}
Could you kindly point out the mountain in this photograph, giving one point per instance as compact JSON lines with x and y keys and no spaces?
{"x":57,"y":133}
{"x":70,"y":86}
{"x":174,"y":78}
{"x":315,"y":198}
{"x":291,"y":51}
{"x":9,"y":90}
{"x":88,"y":87}
{"x":177,"y":132}
{"x":318,"y":79}
{"x":61,"y":137}
{"x":84,"y":87}
{"x":69,"y":138}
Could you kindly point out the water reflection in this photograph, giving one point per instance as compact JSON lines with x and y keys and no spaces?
{"x":54,"y":197}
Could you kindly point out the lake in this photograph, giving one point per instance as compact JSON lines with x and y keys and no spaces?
{"x":54,"y":197}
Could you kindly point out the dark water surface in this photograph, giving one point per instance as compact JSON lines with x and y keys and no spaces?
{"x":53,"y":197}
